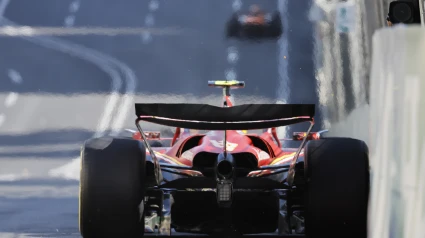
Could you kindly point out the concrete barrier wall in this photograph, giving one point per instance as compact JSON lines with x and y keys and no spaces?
{"x":397,"y":134}
{"x":343,"y":61}
{"x":343,"y":57}
{"x":387,"y":112}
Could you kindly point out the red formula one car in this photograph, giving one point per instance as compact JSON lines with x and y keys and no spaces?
{"x":227,"y":180}
{"x":255,"y":24}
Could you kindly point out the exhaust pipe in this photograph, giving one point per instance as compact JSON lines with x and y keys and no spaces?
{"x":225,"y":166}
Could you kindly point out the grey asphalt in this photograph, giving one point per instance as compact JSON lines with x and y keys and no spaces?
{"x":179,"y":64}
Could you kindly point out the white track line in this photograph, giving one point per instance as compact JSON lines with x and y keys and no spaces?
{"x":11,"y":99}
{"x":69,"y":20}
{"x":74,"y":6}
{"x":107,"y":31}
{"x":232,"y":55}
{"x":283,"y":88}
{"x":230,"y":74}
{"x":149,"y":20}
{"x":14,"y":76}
{"x":236,"y":5}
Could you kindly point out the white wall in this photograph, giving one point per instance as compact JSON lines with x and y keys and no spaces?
{"x":397,"y":134}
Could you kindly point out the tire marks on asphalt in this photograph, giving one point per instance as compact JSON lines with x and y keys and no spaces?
{"x":232,"y":52}
{"x":119,"y":102}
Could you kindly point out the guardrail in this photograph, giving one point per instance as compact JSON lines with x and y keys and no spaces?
{"x":389,"y":117}
{"x":397,"y":133}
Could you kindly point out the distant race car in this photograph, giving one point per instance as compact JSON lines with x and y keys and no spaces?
{"x":254,"y":25}
{"x":217,"y":177}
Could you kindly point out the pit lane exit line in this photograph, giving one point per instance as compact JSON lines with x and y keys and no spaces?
{"x":106,"y":63}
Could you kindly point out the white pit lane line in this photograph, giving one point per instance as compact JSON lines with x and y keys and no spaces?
{"x":74,"y":6}
{"x":233,"y":53}
{"x":2,"y":119}
{"x":106,"y":63}
{"x":153,"y":5}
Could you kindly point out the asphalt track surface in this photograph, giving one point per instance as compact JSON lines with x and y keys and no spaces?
{"x":54,"y":90}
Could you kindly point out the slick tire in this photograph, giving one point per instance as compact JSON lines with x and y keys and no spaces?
{"x":337,"y":188}
{"x":112,"y":188}
{"x":275,"y":29}
{"x":233,"y":26}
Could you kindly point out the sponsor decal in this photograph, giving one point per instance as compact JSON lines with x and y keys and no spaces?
{"x":263,"y":155}
{"x":229,"y":146}
{"x":187,"y":155}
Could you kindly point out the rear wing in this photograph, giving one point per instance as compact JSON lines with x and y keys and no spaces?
{"x":208,"y":117}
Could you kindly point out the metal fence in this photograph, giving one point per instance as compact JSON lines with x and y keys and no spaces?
{"x":344,"y":30}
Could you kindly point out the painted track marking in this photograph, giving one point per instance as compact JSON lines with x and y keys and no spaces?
{"x":11,"y":99}
{"x":2,"y":119}
{"x":236,"y":5}
{"x":283,"y":92}
{"x":15,"y":76}
{"x":153,"y":6}
{"x":73,"y":8}
{"x":107,"y":63}
{"x":69,"y":20}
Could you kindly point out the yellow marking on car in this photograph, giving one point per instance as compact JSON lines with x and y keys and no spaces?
{"x":226,"y":83}
{"x":277,"y":160}
{"x":169,"y":157}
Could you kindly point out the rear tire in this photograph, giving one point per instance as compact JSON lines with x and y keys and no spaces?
{"x":233,"y":26}
{"x":337,"y":188}
{"x":275,"y":29}
{"x":112,"y":188}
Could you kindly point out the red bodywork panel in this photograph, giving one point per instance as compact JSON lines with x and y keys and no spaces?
{"x":266,"y":148}
{"x":237,"y":142}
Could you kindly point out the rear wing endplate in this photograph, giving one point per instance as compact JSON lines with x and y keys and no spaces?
{"x":208,"y":117}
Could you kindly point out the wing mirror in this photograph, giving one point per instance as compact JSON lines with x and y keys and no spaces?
{"x":298,"y":136}
{"x":404,"y":11}
{"x":150,"y":135}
